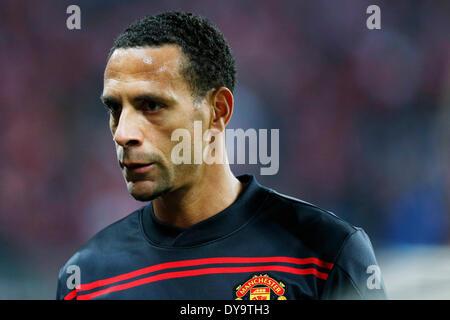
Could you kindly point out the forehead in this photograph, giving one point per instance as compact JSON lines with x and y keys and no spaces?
{"x":159,"y":66}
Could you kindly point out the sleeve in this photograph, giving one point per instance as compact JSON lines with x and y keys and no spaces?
{"x":355,"y":274}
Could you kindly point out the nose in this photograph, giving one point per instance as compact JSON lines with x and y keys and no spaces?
{"x":127,"y":132}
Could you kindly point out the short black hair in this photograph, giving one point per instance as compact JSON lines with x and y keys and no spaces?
{"x":210,"y":61}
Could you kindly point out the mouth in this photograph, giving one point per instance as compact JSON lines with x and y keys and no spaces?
{"x":138,"y":167}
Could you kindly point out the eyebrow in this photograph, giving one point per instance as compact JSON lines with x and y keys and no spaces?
{"x":108,"y":100}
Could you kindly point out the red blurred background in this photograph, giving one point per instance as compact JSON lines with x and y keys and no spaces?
{"x":363,"y":116}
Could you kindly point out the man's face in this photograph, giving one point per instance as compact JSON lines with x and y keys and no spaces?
{"x":149,"y":99}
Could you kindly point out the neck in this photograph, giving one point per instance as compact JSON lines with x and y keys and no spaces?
{"x":216,"y":189}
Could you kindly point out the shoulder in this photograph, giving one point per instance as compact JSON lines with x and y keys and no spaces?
{"x":113,"y":237}
{"x":320,"y":229}
{"x":108,"y":244}
{"x":347,"y":247}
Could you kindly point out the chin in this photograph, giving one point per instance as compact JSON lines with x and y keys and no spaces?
{"x":146,"y":191}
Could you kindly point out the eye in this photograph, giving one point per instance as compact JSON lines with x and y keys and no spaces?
{"x":149,"y":105}
{"x":113,"y":108}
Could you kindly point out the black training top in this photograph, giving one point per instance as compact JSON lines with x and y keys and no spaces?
{"x":264,"y":246}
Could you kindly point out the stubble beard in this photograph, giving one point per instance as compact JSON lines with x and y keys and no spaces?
{"x":148,"y":190}
{"x":167,"y":180}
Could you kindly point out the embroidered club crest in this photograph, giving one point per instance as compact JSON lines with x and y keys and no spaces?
{"x":261,"y":287}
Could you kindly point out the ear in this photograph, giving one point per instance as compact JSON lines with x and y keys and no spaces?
{"x":222,"y":108}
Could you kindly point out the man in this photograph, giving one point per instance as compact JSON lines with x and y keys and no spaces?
{"x":204,"y":234}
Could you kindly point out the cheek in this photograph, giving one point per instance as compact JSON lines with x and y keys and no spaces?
{"x":159,"y":140}
{"x":182,"y":116}
{"x":161,"y":137}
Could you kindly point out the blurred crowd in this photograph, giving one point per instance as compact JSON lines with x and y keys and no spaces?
{"x":364,"y":115}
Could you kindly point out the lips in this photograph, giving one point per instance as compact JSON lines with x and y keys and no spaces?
{"x":133,"y":167}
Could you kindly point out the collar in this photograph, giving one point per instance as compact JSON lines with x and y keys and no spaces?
{"x":230,"y":219}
